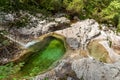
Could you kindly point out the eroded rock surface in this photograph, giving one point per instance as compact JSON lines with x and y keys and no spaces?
{"x":34,"y":27}
{"x":90,"y":69}
{"x":79,"y":35}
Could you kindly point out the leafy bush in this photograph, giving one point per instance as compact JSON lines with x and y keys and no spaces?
{"x":75,"y":6}
{"x":85,"y":8}
{"x":3,"y":40}
{"x":51,"y":4}
{"x":16,"y":5}
{"x":5,"y":70}
{"x":10,"y":5}
{"x":107,"y":11}
{"x":118,"y":26}
{"x":111,"y":13}
{"x":10,"y":68}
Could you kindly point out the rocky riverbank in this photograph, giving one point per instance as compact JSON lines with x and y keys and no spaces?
{"x":94,"y":52}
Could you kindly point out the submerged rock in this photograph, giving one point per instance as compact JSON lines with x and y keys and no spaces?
{"x":98,"y":51}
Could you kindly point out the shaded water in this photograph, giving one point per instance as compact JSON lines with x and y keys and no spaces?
{"x":97,"y":51}
{"x":42,"y":59}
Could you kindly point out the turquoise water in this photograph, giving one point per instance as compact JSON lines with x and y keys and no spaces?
{"x":41,"y":60}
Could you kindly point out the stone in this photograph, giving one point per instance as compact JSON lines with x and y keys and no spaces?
{"x":80,"y":33}
{"x":90,"y":69}
{"x":9,"y":17}
{"x":47,"y":27}
{"x":39,"y":15}
{"x":37,"y":27}
{"x":62,"y":20}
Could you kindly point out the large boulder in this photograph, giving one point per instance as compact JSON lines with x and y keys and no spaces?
{"x":90,"y":69}
{"x":80,"y":33}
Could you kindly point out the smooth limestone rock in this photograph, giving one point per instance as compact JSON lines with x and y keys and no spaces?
{"x":79,"y":35}
{"x":62,"y":20}
{"x":90,"y":69}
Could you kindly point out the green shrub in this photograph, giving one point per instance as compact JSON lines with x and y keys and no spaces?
{"x":51,"y":4}
{"x":111,"y":14}
{"x":85,"y":8}
{"x":118,"y":26}
{"x":8,"y":69}
{"x":76,"y":6}
{"x":106,"y":11}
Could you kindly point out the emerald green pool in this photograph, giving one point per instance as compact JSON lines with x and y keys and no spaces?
{"x":41,"y":60}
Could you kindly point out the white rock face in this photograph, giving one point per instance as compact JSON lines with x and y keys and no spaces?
{"x":4,"y":17}
{"x":89,"y":69}
{"x":47,"y":27}
{"x":80,"y":33}
{"x":9,"y":17}
{"x":62,"y":20}
{"x":44,"y":26}
{"x":35,"y":27}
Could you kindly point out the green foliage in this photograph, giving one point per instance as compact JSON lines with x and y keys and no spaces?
{"x":3,"y":40}
{"x":82,"y":78}
{"x":101,"y":10}
{"x":5,"y":70}
{"x":6,"y":5}
{"x":76,"y":6}
{"x":46,"y":79}
{"x":85,"y":8}
{"x":8,"y":69}
{"x":107,"y":11}
{"x":118,"y":26}
{"x":111,"y":14}
{"x":51,"y":4}
{"x":16,"y":5}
